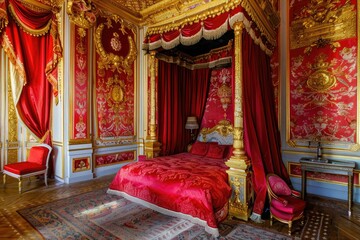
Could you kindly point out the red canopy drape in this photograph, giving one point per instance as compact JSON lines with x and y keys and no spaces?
{"x":261,"y":134}
{"x":181,"y":93}
{"x":31,"y":41}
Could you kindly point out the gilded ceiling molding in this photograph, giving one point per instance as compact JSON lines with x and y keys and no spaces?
{"x":198,"y":14}
{"x":261,"y":11}
{"x":112,"y":6}
{"x":82,"y":13}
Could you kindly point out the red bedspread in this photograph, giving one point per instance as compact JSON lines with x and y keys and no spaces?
{"x":194,"y":186}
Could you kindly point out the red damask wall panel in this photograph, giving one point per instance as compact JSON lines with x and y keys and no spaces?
{"x":323,"y":72}
{"x":80,"y":83}
{"x":295,"y":171}
{"x":115,"y":42}
{"x":114,"y":158}
{"x":219,"y":104}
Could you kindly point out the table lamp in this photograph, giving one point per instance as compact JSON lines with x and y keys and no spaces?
{"x":191,"y":123}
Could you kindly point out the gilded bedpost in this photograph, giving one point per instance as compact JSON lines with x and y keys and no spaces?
{"x":239,"y":172}
{"x":152,"y":146}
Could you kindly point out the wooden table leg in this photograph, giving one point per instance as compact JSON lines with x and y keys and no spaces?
{"x":350,"y":193}
{"x":303,"y":183}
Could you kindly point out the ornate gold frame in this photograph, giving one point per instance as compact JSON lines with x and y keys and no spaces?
{"x":110,"y":60}
{"x":321,"y":30}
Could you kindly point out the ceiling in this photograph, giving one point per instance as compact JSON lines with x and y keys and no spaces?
{"x":136,"y":5}
{"x":155,"y":12}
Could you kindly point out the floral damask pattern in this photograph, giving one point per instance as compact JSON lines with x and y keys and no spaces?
{"x":114,"y":85}
{"x":328,"y":113}
{"x":114,"y":158}
{"x":80,"y":94}
{"x":323,"y":75}
{"x":219,"y":102}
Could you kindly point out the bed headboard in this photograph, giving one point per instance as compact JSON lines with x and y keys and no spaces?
{"x":221,"y":133}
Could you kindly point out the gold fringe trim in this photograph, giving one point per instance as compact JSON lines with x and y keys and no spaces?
{"x":188,"y":41}
{"x":155,"y":45}
{"x":187,"y":64}
{"x":33,"y":32}
{"x":9,"y":50}
{"x":241,"y":17}
{"x":3,"y":19}
{"x":173,"y":43}
{"x":216,"y":33}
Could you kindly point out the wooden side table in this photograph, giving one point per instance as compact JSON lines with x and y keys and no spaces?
{"x":328,"y":166}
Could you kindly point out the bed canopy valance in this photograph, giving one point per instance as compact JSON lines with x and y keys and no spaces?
{"x":191,"y":31}
{"x":254,"y":21}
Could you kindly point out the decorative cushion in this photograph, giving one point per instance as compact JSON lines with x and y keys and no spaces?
{"x":216,"y":151}
{"x":199,"y":148}
{"x":284,"y":216}
{"x":22,"y":168}
{"x":293,"y":205}
{"x":38,"y":155}
{"x":279,"y":186}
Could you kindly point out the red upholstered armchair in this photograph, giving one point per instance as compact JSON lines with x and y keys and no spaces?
{"x":285,"y":204}
{"x":36,"y":164}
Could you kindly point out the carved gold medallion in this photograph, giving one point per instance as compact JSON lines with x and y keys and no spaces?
{"x":115,"y":45}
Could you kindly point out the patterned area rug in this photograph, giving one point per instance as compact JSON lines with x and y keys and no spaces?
{"x":316,"y":226}
{"x":97,"y":215}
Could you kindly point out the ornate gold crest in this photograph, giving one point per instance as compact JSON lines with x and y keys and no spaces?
{"x":116,"y":90}
{"x":117,"y":52}
{"x":321,"y":80}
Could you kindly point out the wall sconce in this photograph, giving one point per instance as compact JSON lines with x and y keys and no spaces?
{"x":191,"y":123}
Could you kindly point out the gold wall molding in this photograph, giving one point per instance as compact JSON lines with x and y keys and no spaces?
{"x":108,"y":59}
{"x":82,"y":13}
{"x":323,"y":20}
{"x":12,"y":145}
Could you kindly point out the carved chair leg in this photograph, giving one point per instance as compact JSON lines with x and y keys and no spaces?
{"x":45,"y":179}
{"x":4,"y":179}
{"x":290,"y":224}
{"x":19,"y":185}
{"x":271,"y":219}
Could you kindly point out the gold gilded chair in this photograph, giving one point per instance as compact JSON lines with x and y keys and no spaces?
{"x":36,"y":164}
{"x":285,"y":204}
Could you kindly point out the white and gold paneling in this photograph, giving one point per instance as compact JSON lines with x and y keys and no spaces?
{"x":78,"y":166}
{"x":319,"y":45}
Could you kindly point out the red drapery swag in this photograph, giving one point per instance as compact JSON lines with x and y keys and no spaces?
{"x":261,"y":133}
{"x":181,"y":93}
{"x":32,"y":43}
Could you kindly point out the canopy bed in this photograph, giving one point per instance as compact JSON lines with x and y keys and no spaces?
{"x":255,"y":138}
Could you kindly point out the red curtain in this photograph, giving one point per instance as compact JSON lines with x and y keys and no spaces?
{"x":181,"y":93}
{"x":31,"y":41}
{"x":261,"y":133}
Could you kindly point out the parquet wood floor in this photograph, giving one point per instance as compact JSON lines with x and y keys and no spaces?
{"x":13,"y":226}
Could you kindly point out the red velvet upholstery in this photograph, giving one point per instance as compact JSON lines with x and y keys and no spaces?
{"x":36,"y":164}
{"x":278,"y":186}
{"x":292,"y":205}
{"x":22,"y":168}
{"x":285,"y":206}
{"x":38,"y":155}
